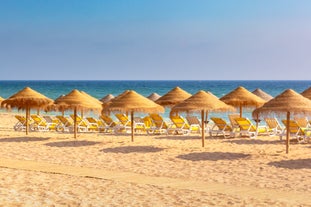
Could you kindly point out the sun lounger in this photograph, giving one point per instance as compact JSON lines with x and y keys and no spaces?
{"x":124,"y":125}
{"x":159,"y":125}
{"x":302,"y":122}
{"x":21,"y":123}
{"x":40,"y":124}
{"x":110,"y":123}
{"x":98,"y":124}
{"x":274,"y":128}
{"x":246,"y":127}
{"x":301,"y":134}
{"x":195,"y":124}
{"x":180,"y":125}
{"x":234,"y":124}
{"x":83,"y":125}
{"x":65,"y":124}
{"x":221,"y":127}
{"x":139,"y":125}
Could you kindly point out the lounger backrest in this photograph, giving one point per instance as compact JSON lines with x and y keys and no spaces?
{"x":245,"y":124}
{"x":80,"y":120}
{"x":179,"y":122}
{"x":272,"y":123}
{"x":48,"y":119}
{"x":302,"y":122}
{"x":221,"y":124}
{"x":158,"y":121}
{"x":65,"y":121}
{"x":37,"y":119}
{"x":92,"y":120}
{"x":193,"y":120}
{"x":108,"y":120}
{"x":232,"y":118}
{"x":123,"y":119}
{"x":293,"y":126}
{"x":148,"y":121}
{"x":21,"y":119}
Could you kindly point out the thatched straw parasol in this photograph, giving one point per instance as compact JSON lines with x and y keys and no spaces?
{"x":1,"y":99}
{"x":202,"y":102}
{"x":27,"y":99}
{"x":289,"y":102}
{"x":240,"y":97}
{"x":130,"y":101}
{"x":173,"y":97}
{"x":307,"y":93}
{"x":76,"y":100}
{"x":154,"y":96}
{"x":91,"y":97}
{"x":265,"y":96}
{"x":107,"y":98}
{"x":106,"y":104}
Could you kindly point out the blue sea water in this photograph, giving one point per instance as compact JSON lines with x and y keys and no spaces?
{"x":99,"y":89}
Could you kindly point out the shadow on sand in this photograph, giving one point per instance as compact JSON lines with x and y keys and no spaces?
{"x":179,"y":137}
{"x":293,"y":164}
{"x":213,"y":156}
{"x":24,"y":139}
{"x":74,"y":143}
{"x":132,"y":149}
{"x":253,"y":141}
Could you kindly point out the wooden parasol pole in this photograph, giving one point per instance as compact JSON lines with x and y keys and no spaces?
{"x":203,"y":127}
{"x":75,"y":122}
{"x":241,"y":110}
{"x":287,"y":131}
{"x":27,"y":119}
{"x":132,"y":125}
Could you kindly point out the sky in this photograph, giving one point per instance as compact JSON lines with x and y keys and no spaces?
{"x":155,"y":40}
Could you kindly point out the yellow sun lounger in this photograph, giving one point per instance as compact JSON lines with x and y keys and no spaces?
{"x":181,"y":126}
{"x":234,"y":124}
{"x":40,"y":124}
{"x":159,"y":126}
{"x":194,"y":123}
{"x":221,"y":127}
{"x":301,"y":134}
{"x":274,"y":128}
{"x":110,"y":123}
{"x":21,"y":123}
{"x":83,"y":125}
{"x":65,"y":124}
{"x":247,"y":128}
{"x":302,"y":122}
{"x":124,"y":125}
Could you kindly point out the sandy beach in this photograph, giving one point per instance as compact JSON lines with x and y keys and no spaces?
{"x":96,"y":169}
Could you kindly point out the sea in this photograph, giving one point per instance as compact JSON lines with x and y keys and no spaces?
{"x":100,"y":88}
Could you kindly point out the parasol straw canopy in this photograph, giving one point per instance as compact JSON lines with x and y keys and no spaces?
{"x":106,"y":104}
{"x":130,"y":101}
{"x":173,"y":97}
{"x":91,"y":98}
{"x":1,"y":99}
{"x":307,"y":93}
{"x":204,"y":102}
{"x":27,"y":99}
{"x":289,"y":102}
{"x":154,"y":96}
{"x":241,"y":97}
{"x":76,"y":100}
{"x":260,"y":93}
{"x":107,"y":98}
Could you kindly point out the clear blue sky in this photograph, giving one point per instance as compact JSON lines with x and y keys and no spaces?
{"x":155,"y":39}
